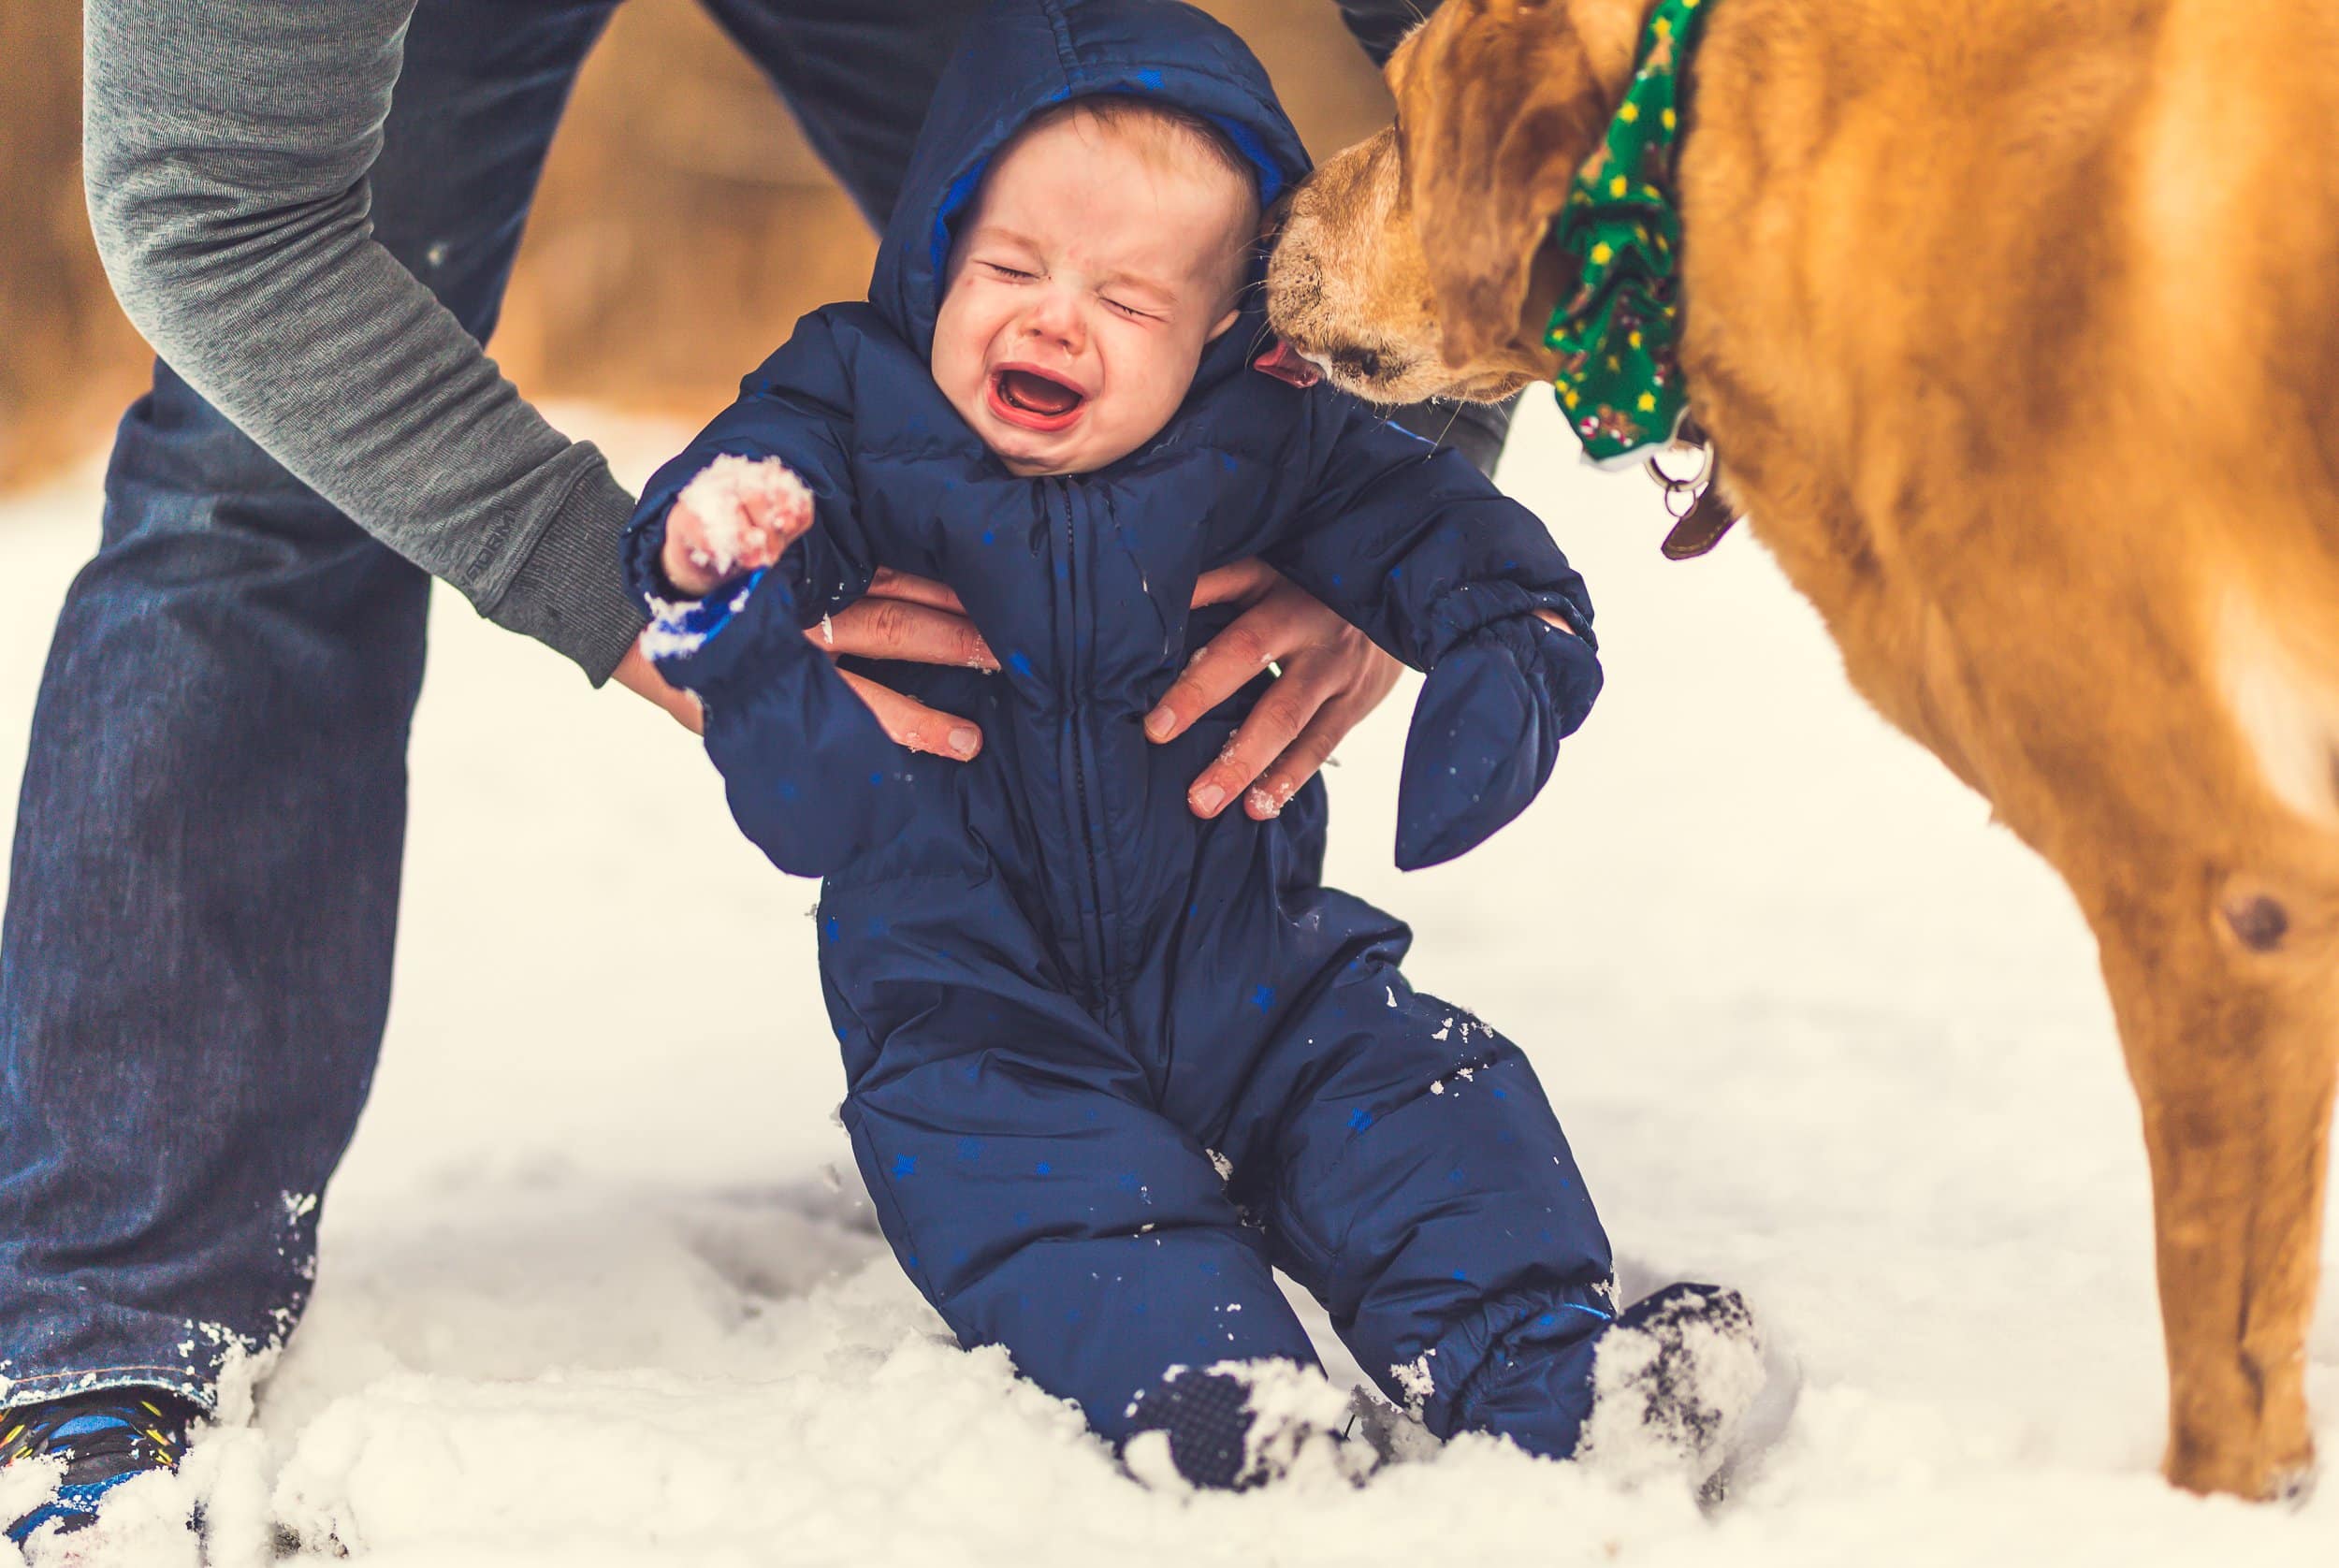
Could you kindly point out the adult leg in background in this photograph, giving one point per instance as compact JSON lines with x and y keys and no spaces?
{"x":203,"y":897}
{"x":858,"y":76}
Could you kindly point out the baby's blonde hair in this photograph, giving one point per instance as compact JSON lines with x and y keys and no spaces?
{"x":1129,"y":117}
{"x":1125,"y":112}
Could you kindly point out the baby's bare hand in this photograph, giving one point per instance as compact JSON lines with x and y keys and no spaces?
{"x":737,"y":516}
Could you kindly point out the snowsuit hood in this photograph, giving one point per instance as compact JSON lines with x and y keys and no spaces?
{"x":1022,"y":57}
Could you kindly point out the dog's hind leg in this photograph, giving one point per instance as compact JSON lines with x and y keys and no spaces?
{"x":2226,"y":992}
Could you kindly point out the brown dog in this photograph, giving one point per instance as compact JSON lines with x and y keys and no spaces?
{"x":2017,"y":324}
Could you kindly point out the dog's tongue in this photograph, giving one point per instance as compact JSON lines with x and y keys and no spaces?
{"x":1037,"y":393}
{"x":1284,"y":363}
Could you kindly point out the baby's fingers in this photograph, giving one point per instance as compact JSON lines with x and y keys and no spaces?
{"x":692,"y":562}
{"x":769,"y":522}
{"x":748,"y":511}
{"x":780,"y":511}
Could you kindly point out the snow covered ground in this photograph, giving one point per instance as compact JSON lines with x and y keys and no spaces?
{"x":592,"y":1290}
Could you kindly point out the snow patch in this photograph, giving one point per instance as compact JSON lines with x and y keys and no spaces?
{"x":1414,"y":1381}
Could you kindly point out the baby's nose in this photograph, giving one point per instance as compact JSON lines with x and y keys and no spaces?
{"x":1055,"y":341}
{"x":1058,"y":319}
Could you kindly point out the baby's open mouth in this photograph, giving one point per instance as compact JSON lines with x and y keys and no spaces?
{"x":1034,"y":399}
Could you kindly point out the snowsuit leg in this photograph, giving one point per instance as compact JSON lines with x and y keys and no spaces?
{"x":1412,"y":1175}
{"x":1018,"y":1169}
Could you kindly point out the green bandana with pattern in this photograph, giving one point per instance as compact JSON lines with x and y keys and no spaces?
{"x":1618,"y":380}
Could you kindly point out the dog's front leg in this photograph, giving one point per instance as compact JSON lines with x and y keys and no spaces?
{"x":2229,"y":1010}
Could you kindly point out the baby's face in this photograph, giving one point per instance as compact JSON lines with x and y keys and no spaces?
{"x":1097,"y":262}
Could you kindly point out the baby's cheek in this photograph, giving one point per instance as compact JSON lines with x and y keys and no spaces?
{"x":955,"y":343}
{"x":1169,"y":376}
{"x":956,"y":369}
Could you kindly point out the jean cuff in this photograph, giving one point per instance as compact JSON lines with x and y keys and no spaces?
{"x":44,"y":1387}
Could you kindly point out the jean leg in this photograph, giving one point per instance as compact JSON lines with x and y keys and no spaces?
{"x":196,"y":958}
{"x":857,"y":73}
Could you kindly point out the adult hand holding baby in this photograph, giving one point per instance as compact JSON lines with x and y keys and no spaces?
{"x":902,"y":617}
{"x":1331,"y":674}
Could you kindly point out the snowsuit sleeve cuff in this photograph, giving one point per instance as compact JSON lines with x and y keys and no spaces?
{"x":811,"y":777}
{"x":1461,"y":612}
{"x":1485,"y":733}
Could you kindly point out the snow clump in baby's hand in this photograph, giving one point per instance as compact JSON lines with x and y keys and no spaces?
{"x":737,"y":515}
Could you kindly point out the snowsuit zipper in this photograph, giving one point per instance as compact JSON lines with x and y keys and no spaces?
{"x":1076,"y":735}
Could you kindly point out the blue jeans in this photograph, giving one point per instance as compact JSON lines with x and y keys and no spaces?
{"x":196,"y":961}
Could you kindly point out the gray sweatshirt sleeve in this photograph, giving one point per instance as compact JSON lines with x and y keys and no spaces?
{"x":226,"y":148}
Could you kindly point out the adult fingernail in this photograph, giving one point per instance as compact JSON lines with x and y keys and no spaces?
{"x":1208,"y":799}
{"x":964,"y":739}
{"x":1157,"y":723}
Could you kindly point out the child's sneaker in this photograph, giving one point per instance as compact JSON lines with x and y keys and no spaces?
{"x":1674,"y":1381}
{"x":105,"y":1437}
{"x":1239,"y":1424}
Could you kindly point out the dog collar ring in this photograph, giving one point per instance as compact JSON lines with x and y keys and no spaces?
{"x":1681,"y":491}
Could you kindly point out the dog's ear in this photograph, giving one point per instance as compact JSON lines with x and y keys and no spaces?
{"x":1498,"y":105}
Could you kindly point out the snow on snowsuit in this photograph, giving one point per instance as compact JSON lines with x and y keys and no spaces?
{"x":1108,"y":1062}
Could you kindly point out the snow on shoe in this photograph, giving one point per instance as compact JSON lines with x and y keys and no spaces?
{"x":79,"y":1449}
{"x":1673,"y":1380}
{"x":1239,"y":1425}
{"x":1394,"y":1436}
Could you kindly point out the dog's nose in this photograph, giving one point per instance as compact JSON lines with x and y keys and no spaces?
{"x":1362,"y":363}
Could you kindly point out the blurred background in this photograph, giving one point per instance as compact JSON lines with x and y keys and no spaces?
{"x":602,"y":306}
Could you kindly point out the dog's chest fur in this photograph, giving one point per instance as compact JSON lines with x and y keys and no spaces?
{"x":1996,"y":364}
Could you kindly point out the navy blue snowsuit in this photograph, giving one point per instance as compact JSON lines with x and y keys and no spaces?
{"x":1108,"y":1062}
